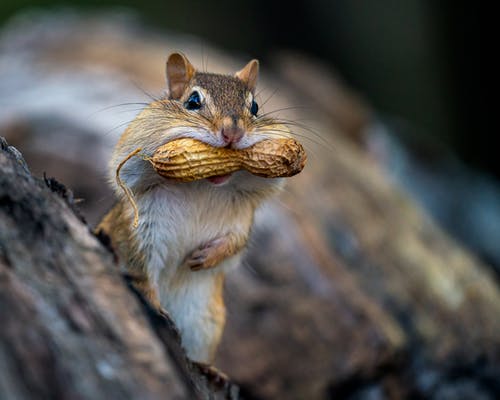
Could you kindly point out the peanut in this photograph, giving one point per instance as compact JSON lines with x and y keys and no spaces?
{"x":187,"y":159}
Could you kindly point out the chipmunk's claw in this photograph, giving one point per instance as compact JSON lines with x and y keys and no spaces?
{"x":197,"y":258}
{"x":205,"y":256}
{"x":3,"y":143}
{"x":213,"y":375}
{"x":15,"y":153}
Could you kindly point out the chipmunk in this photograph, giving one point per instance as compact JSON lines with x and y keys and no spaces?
{"x":190,"y":234}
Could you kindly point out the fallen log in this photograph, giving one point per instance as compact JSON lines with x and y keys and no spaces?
{"x":71,"y":328}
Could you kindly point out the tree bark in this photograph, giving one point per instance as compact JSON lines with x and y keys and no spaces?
{"x":352,"y":292}
{"x":71,"y":328}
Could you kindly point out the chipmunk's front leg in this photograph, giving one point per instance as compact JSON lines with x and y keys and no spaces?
{"x":210,"y":254}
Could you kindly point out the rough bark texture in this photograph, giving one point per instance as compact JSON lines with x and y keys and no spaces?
{"x":71,"y":329}
{"x":352,"y":292}
{"x":348,"y":291}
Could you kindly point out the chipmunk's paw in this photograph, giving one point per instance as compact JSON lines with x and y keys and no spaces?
{"x":208,"y":255}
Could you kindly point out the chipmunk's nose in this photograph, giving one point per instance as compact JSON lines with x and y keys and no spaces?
{"x":232,"y":134}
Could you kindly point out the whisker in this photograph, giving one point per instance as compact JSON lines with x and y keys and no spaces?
{"x":204,"y":63}
{"x":119,"y":105}
{"x":301,"y":126}
{"x":286,"y":134}
{"x":109,"y":131}
{"x":269,"y":98}
{"x":93,"y":114}
{"x":146,"y":93}
{"x":284,"y":109}
{"x":296,"y":124}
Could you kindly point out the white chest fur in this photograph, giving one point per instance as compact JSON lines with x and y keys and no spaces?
{"x":174,"y":221}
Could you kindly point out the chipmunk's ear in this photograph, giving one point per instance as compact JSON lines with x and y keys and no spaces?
{"x":179,"y":73}
{"x":249,"y":74}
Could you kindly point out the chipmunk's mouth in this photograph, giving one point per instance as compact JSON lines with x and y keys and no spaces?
{"x":219,"y":179}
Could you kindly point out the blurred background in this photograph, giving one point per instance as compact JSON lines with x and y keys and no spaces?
{"x":401,"y":85}
{"x":417,"y":61}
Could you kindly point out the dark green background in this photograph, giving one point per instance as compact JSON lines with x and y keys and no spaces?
{"x":415,"y":59}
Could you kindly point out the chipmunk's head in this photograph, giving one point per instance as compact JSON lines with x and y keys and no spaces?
{"x":220,"y":110}
{"x":225,"y":106}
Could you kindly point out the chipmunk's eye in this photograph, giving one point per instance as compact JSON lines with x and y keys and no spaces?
{"x":194,"y":101}
{"x":254,"y":108}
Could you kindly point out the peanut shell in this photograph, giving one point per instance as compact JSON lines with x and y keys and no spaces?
{"x":187,"y":160}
